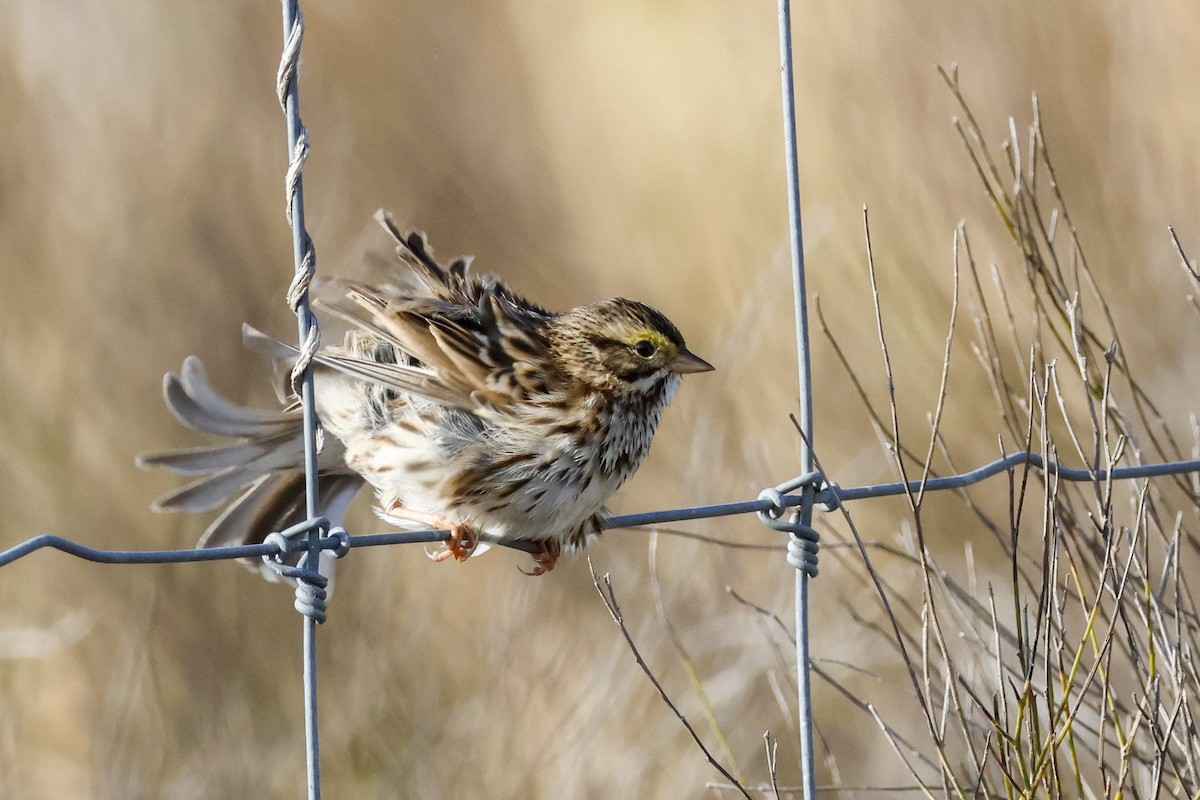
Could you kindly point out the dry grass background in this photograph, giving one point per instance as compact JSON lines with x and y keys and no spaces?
{"x":580,"y":150}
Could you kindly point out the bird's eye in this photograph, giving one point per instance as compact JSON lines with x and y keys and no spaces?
{"x":644,"y":348}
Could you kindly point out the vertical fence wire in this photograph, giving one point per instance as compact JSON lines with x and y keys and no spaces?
{"x":309,"y":338}
{"x":803,"y":516}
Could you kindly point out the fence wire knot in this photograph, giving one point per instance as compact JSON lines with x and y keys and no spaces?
{"x":311,"y":592}
{"x":311,"y":585}
{"x":803,"y":546}
{"x":343,"y":542}
{"x":804,"y":541}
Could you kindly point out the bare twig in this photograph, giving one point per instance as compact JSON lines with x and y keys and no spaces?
{"x":772,"y":751}
{"x":604,"y":589}
{"x":685,"y":659}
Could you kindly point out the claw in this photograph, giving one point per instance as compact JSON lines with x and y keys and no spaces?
{"x":463,"y":538}
{"x":545,"y":559}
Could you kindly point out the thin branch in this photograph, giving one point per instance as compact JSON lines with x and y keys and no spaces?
{"x":772,"y":753}
{"x":610,"y":602}
{"x":685,"y":659}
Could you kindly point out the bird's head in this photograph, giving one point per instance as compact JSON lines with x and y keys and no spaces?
{"x":621,"y":346}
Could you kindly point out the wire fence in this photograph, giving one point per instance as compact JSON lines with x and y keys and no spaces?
{"x":788,"y":507}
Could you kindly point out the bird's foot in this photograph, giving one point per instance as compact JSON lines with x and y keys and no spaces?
{"x":545,"y":559}
{"x":463,"y":538}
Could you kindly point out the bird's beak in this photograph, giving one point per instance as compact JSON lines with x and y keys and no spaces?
{"x":688,"y":361}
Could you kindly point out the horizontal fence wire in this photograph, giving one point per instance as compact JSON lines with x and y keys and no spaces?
{"x":829,"y":496}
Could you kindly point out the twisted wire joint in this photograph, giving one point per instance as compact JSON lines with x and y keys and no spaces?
{"x":803,"y":541}
{"x":298,"y":289}
{"x":311,"y":585}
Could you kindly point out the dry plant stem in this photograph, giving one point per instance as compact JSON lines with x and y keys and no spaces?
{"x":990,"y":344}
{"x":1072,"y":745}
{"x":1148,"y":413}
{"x":1005,"y":211}
{"x":899,"y":636}
{"x":1014,"y":337}
{"x":608,"y":597}
{"x":685,"y":659}
{"x":1040,"y":625}
{"x":932,"y":626}
{"x":823,"y":788}
{"x":1093,"y":642}
{"x":772,"y":751}
{"x":887,"y":362}
{"x":1021,"y":210}
{"x":943,"y":384}
{"x":1016,"y":506}
{"x":786,"y":668}
{"x":970,"y":612}
{"x":1052,"y":380}
{"x":897,"y":639}
{"x":1188,"y":265}
{"x":766,"y":612}
{"x":968,"y":499}
{"x":1050,"y":490}
{"x":822,"y":673}
{"x":765,"y":616}
{"x":1099,"y":428}
{"x":831,"y":763}
{"x":1145,"y":405}
{"x":1050,"y":614}
{"x":1065,"y":715}
{"x":959,"y":591}
{"x":785,"y":709}
{"x":772,"y":616}
{"x":1153,"y":619}
{"x":911,"y":613}
{"x":974,"y":612}
{"x":895,"y":743}
{"x":883,"y":588}
{"x":876,"y":419}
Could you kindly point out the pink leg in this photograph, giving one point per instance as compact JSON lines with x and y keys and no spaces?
{"x":545,"y":560}
{"x":463,"y":538}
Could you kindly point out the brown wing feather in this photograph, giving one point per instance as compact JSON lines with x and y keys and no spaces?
{"x":460,"y":339}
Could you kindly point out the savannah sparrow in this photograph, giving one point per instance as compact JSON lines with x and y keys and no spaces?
{"x":466,"y":407}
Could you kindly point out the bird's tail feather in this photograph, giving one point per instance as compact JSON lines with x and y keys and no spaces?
{"x":262,"y":469}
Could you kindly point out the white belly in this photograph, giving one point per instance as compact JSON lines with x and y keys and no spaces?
{"x":556,"y":486}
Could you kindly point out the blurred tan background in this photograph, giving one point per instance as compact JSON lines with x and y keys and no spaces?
{"x":580,"y":150}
